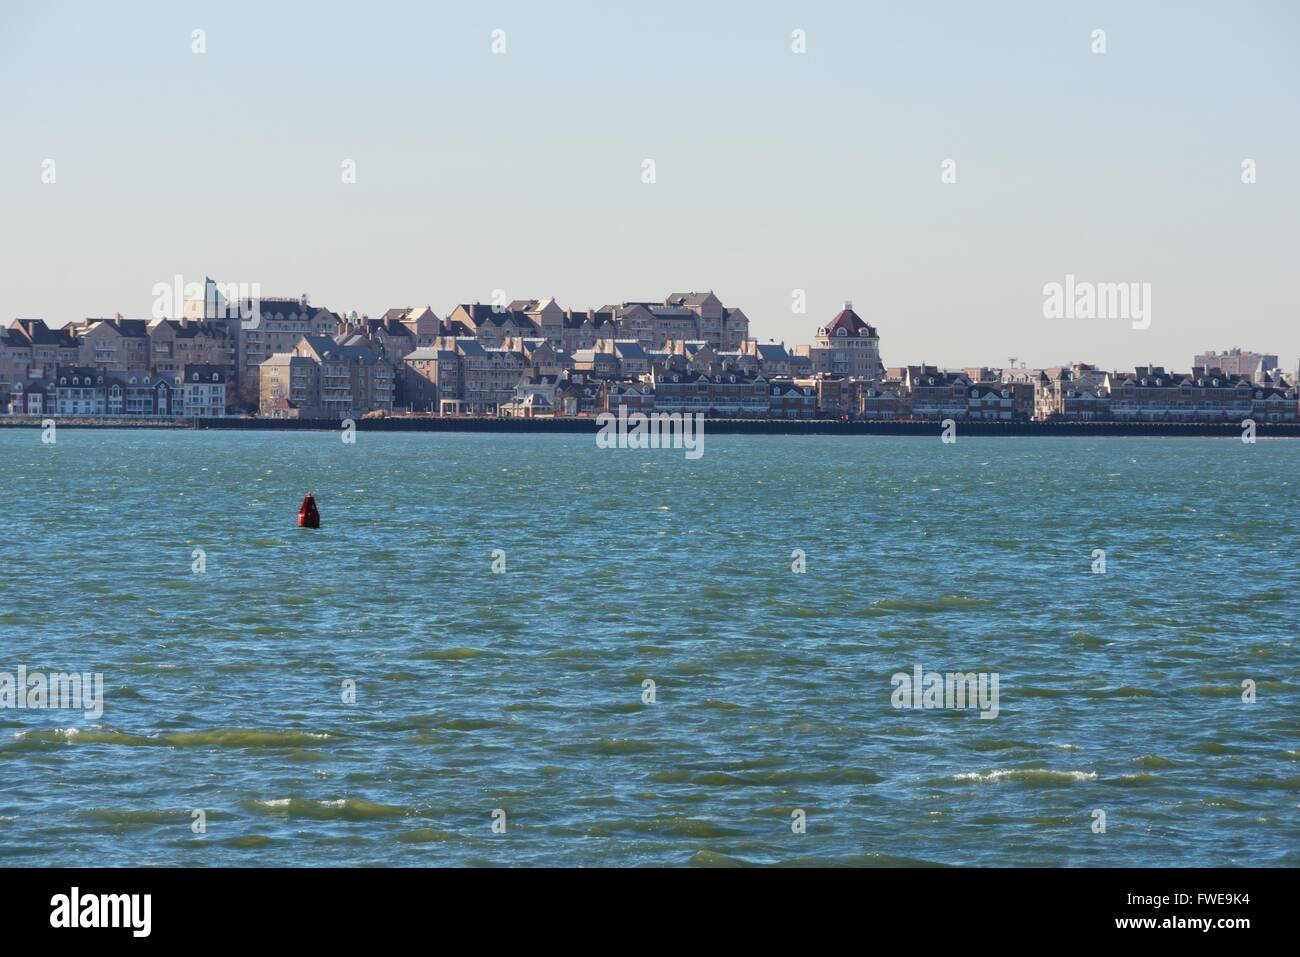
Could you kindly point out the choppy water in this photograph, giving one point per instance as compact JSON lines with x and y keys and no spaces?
{"x":522,"y":691}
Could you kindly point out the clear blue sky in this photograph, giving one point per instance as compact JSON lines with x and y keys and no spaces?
{"x":775,"y":171}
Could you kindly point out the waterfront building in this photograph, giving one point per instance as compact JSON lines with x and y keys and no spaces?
{"x":390,"y":339}
{"x":535,"y":394}
{"x":582,"y":329}
{"x":724,"y":329}
{"x":789,"y":400}
{"x":1273,"y":399}
{"x":845,"y":346}
{"x":32,"y":397}
{"x":15,"y":361}
{"x":424,"y":325}
{"x":289,"y":387}
{"x":603,"y":365}
{"x":353,"y":378}
{"x":428,"y":376}
{"x":576,"y":397}
{"x":177,"y":343}
{"x":277,"y":328}
{"x":115,"y":345}
{"x":772,"y":357}
{"x":1152,"y":394}
{"x":635,"y":396}
{"x":990,"y":401}
{"x":737,"y":361}
{"x":203,"y":390}
{"x":632,"y":358}
{"x":700,"y":355}
{"x":491,"y":325}
{"x":722,"y":394}
{"x":1077,"y":393}
{"x":546,"y":315}
{"x":882,"y":400}
{"x":527,"y":406}
{"x":79,"y":390}
{"x":836,"y":395}
{"x":130,"y":394}
{"x":1238,"y":362}
{"x":487,"y":375}
{"x":680,"y":316}
{"x":542,"y":356}
{"x":933,"y":394}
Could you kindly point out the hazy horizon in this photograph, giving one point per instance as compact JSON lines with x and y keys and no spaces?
{"x":775,"y":171}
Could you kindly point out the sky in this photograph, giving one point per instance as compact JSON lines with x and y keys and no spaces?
{"x":775,"y":171}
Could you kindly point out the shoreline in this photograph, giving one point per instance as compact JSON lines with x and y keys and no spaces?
{"x":718,"y":426}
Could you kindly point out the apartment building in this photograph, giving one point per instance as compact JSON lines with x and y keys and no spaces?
{"x":289,"y":387}
{"x":276,"y":326}
{"x":932,"y":394}
{"x":203,"y":390}
{"x":1238,"y":362}
{"x":353,"y":379}
{"x":32,"y":350}
{"x":723,"y":393}
{"x":177,"y":343}
{"x":428,"y":376}
{"x":845,"y":346}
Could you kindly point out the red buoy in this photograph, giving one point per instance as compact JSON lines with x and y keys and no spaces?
{"x":308,"y":517}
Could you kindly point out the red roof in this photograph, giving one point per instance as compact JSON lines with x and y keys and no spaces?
{"x":850,"y":322}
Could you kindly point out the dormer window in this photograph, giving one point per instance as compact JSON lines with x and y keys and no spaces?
{"x":840,"y":331}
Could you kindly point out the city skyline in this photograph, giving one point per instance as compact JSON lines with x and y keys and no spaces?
{"x":776,"y":172}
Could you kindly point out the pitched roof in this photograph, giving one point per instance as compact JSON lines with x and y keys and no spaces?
{"x":206,"y":372}
{"x":690,"y":298}
{"x":850,"y":322}
{"x":772,"y":352}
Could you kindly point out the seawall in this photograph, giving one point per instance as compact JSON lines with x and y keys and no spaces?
{"x":1231,"y":430}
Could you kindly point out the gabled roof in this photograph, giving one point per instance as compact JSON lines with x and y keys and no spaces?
{"x":38,"y":333}
{"x":327,"y":348}
{"x":629,"y":349}
{"x":206,"y":372}
{"x":189,"y":329}
{"x":288,"y":308}
{"x":690,"y":298}
{"x":80,"y":372}
{"x":772,"y":352}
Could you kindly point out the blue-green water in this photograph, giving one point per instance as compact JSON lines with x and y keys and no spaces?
{"x":522,"y":691}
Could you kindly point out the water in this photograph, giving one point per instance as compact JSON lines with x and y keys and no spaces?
{"x":523,"y":691}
